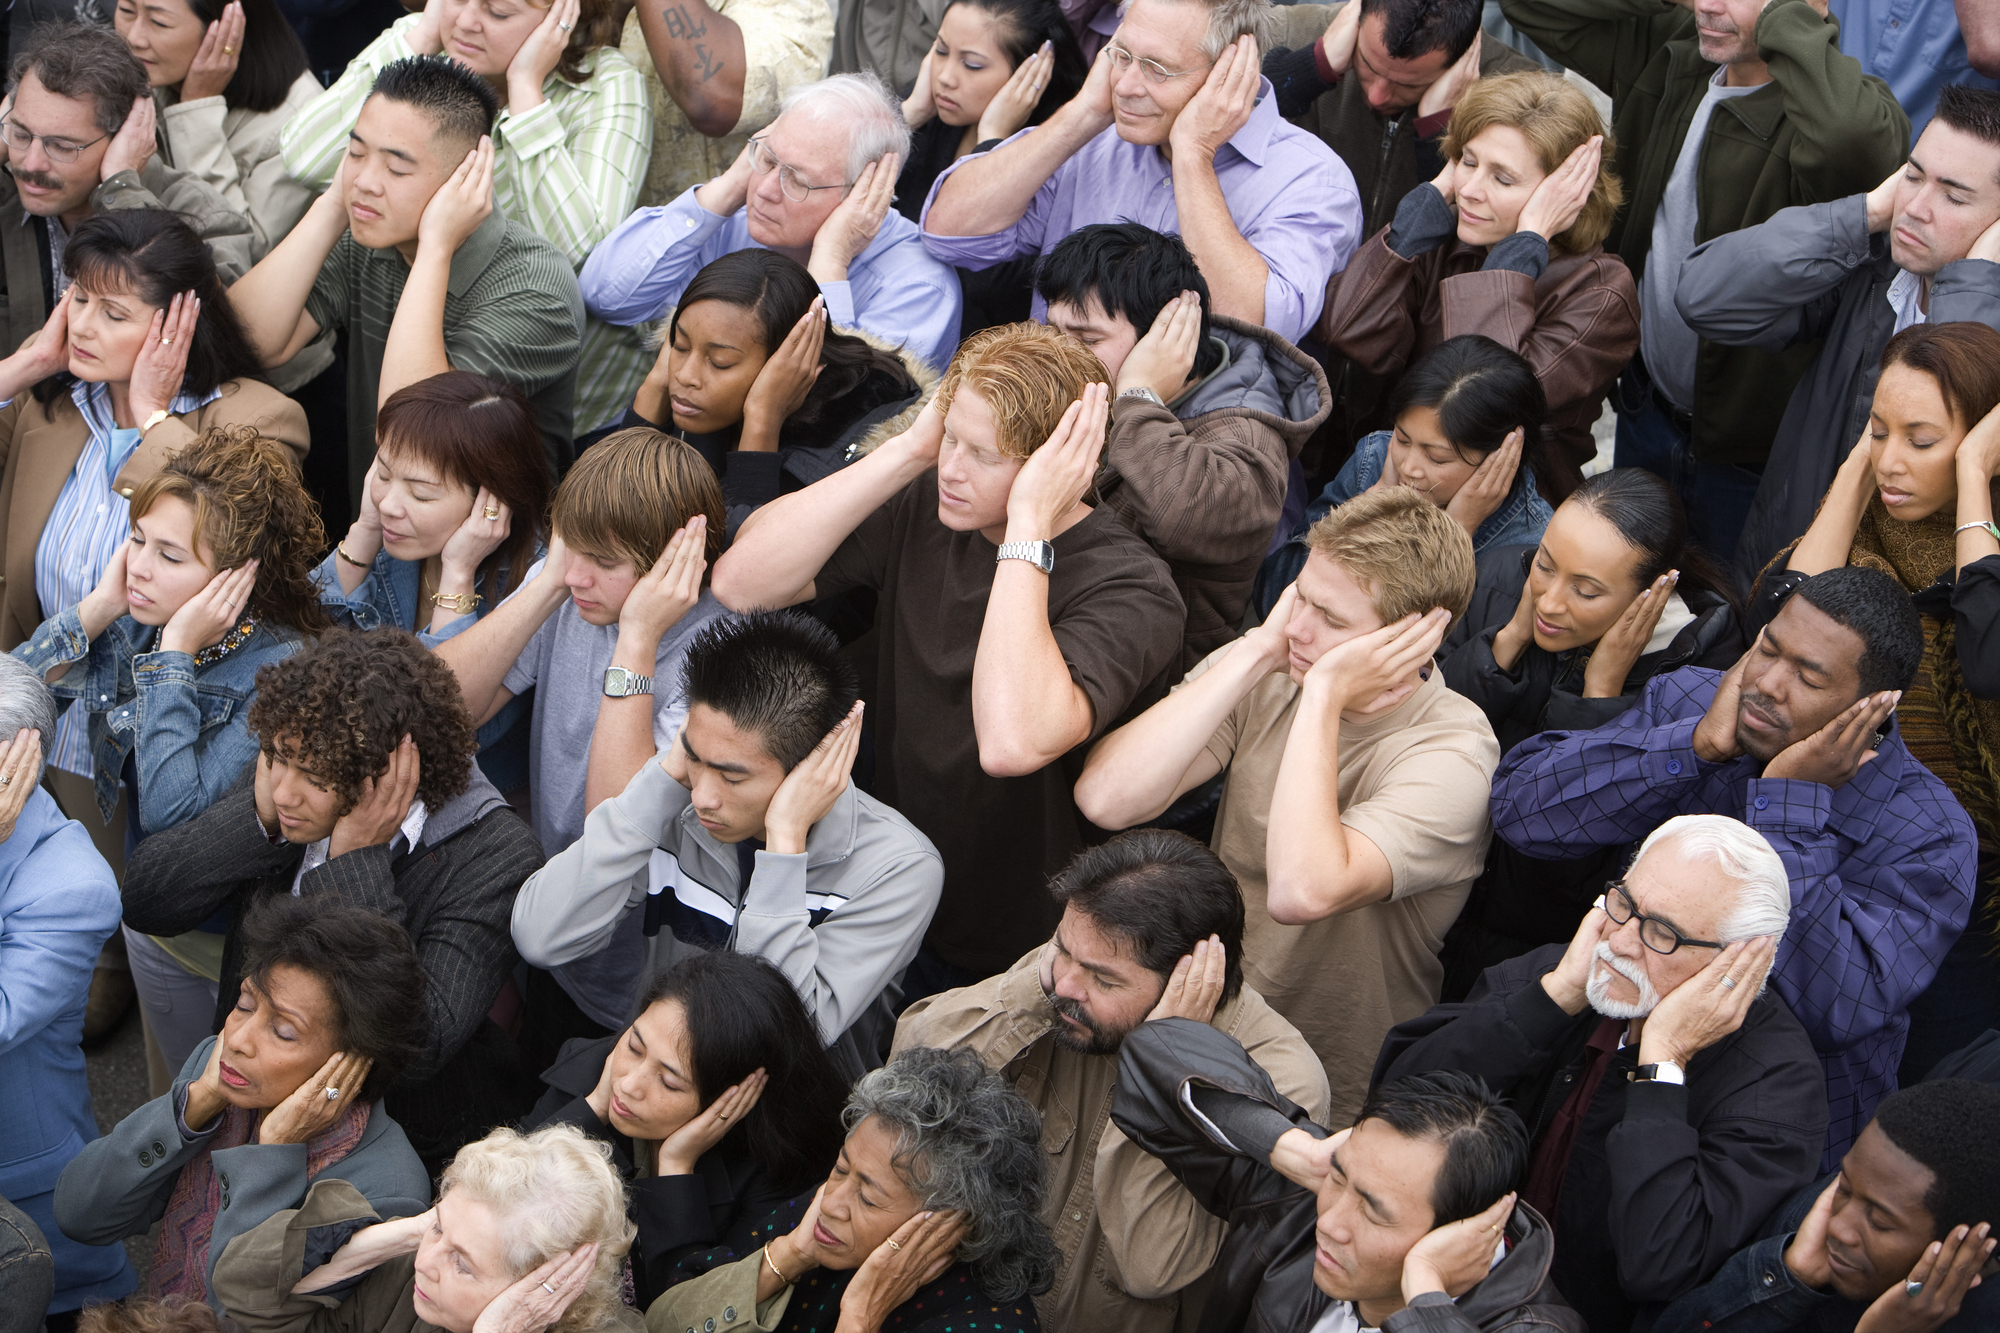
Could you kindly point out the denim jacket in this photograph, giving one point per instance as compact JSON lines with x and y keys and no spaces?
{"x":1518,"y":521}
{"x":388,"y":594}
{"x":187,"y":728}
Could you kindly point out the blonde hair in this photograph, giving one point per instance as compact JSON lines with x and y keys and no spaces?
{"x":1028,"y":374}
{"x":553,"y":1190}
{"x":629,"y":493}
{"x":1556,"y":119}
{"x":1408,"y":553}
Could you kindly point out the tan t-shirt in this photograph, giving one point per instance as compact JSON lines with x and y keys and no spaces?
{"x":1415,"y":782}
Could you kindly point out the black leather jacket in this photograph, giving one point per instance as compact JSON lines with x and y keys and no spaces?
{"x":1194,"y":1099}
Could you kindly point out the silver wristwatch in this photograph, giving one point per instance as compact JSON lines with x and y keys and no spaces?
{"x":620,"y":683}
{"x":1039,"y":554}
{"x":1143,"y":392}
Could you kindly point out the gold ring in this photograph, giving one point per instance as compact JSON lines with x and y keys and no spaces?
{"x":166,"y":341}
{"x":229,"y":50}
{"x":895,"y":1245}
{"x":492,"y":513}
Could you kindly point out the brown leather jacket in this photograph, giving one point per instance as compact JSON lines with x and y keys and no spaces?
{"x":1577,"y":325}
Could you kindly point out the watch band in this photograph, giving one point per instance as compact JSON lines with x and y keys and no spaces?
{"x":1041,"y":555}
{"x":159,"y":415}
{"x":1143,"y":392}
{"x":1665,"y":1071}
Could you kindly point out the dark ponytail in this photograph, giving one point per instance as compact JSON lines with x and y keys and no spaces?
{"x":1481,"y":391}
{"x":1648,"y":515}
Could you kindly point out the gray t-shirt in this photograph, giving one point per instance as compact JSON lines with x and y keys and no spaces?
{"x":1665,"y":341}
{"x":570,"y":655}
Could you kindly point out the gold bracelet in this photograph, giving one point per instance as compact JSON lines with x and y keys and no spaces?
{"x":340,"y":550}
{"x":461,"y":602}
{"x":776,"y":1271}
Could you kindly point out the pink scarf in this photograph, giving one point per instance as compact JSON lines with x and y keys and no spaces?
{"x":180,"y":1262}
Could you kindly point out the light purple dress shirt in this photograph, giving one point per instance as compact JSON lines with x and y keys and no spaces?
{"x":1290,"y":195}
{"x":894,"y":289}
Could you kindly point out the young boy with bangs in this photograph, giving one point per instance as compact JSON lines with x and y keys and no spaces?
{"x":1354,"y":814}
{"x":600,"y":631}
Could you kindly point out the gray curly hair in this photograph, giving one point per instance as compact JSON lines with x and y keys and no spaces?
{"x":966,"y":1140}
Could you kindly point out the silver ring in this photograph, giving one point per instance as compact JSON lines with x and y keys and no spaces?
{"x":1913,"y":1288}
{"x":1729,"y":982}
{"x":6,"y":782}
{"x":333,"y":1094}
{"x":565,"y":28}
{"x":550,"y":1290}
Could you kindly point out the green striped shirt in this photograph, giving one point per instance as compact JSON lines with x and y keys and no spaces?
{"x":570,"y":169}
{"x":511,"y":310}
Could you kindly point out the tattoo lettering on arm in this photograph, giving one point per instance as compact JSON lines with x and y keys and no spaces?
{"x":682,"y":26}
{"x":706,"y":65}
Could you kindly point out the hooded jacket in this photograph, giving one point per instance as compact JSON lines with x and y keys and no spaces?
{"x":841,"y":920}
{"x":1202,"y":481}
{"x":451,"y":892}
{"x":1521,"y":901}
{"x":1193,"y":1098}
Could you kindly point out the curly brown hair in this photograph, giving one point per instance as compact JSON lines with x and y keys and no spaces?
{"x":341,"y":707}
{"x":145,"y":1314}
{"x":248,"y":505}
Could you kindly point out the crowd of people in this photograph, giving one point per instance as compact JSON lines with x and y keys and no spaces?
{"x":1103,"y":666}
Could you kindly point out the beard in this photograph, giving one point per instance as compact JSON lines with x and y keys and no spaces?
{"x":1100,"y":1041}
{"x":1598,"y":989}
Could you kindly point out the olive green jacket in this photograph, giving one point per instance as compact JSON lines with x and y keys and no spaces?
{"x":1820,"y":130}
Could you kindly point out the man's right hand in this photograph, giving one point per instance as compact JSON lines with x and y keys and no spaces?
{"x":1269,"y":639}
{"x":728,"y":192}
{"x":1882,"y":203}
{"x":1806,"y":1255}
{"x":1715,"y":735}
{"x":1093,"y":100}
{"x":1568,"y":984}
{"x":1337,"y":43}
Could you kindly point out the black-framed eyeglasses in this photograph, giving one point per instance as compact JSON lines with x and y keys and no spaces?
{"x":763,"y":161}
{"x":1654,"y":933}
{"x":65,"y":151}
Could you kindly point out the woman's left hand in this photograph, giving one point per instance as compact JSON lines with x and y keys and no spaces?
{"x":208,"y":615}
{"x":1018,"y":97}
{"x":917,"y":1254}
{"x":478,"y":537}
{"x":161,"y":368}
{"x":680,"y":1150}
{"x":1626,"y":640}
{"x":539,"y":56}
{"x":1489,"y":484}
{"x":538,"y":1300}
{"x":1557,"y":202}
{"x":216,"y":59}
{"x":309,"y":1112}
{"x":781,"y":387}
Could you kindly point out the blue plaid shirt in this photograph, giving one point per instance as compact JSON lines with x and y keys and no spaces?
{"x":1882,"y":868}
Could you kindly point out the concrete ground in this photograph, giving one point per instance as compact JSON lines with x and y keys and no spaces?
{"x":117,"y":1069}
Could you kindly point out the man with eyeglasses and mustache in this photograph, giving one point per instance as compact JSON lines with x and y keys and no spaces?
{"x":1798,"y":741}
{"x":1175,"y":129}
{"x":816,"y":186}
{"x":1672,"y":1103}
{"x":76,"y":136}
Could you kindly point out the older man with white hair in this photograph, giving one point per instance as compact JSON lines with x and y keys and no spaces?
{"x":815,"y":186}
{"x":1673,"y":1103}
{"x":1177,"y":129}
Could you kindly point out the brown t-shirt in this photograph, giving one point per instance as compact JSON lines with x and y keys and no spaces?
{"x":1415,"y":782}
{"x":1118,"y":621}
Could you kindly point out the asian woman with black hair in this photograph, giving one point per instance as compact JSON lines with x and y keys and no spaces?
{"x":1471,"y":434}
{"x":1561,"y":636}
{"x":226,"y":79}
{"x":995,"y":67}
{"x":768,"y":393}
{"x":678,"y":1097}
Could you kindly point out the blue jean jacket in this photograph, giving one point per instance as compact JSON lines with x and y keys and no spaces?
{"x":1518,"y":521}
{"x":187,"y":728}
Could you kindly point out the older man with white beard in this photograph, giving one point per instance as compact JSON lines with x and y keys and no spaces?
{"x":1673,"y":1103}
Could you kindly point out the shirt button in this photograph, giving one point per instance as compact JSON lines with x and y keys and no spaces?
{"x":1673,"y":766}
{"x":1076,"y":1217}
{"x":1762,"y":802}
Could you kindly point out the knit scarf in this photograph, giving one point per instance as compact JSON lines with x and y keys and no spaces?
{"x":1952,"y":733}
{"x":180,"y":1263}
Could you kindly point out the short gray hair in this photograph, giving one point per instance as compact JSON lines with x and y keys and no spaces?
{"x":1229,"y":20}
{"x":966,"y":1140}
{"x":26,"y":704}
{"x":872,"y":115}
{"x":1764,"y":897}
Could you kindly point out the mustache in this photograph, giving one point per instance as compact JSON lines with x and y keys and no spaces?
{"x":40,"y":179}
{"x":1073,"y":1011}
{"x":1764,"y":704}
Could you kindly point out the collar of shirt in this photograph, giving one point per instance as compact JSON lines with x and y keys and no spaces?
{"x":93,"y":401}
{"x":1906,"y":298}
{"x":472,"y":259}
{"x":315,"y":857}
